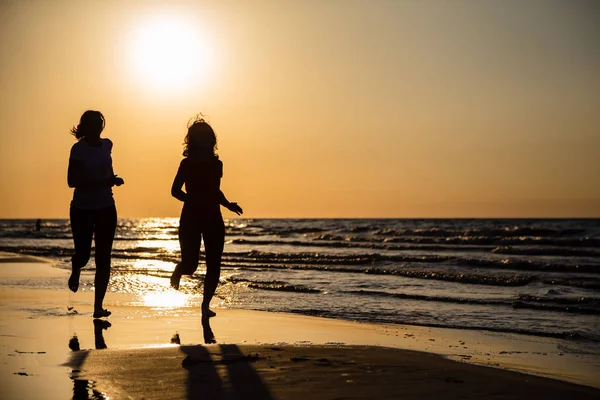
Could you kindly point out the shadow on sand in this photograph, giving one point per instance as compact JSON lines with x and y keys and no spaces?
{"x":218,"y":375}
{"x":211,"y":372}
{"x":230,"y":376}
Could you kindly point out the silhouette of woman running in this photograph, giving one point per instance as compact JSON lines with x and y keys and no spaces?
{"x":201,"y":172}
{"x":93,"y":213}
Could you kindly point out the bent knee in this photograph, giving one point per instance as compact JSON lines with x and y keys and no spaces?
{"x":80,"y":260}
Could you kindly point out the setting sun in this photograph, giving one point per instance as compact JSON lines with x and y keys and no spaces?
{"x":168,"y":53}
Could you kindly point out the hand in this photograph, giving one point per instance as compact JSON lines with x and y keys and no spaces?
{"x":118,"y":181}
{"x":233,"y":207}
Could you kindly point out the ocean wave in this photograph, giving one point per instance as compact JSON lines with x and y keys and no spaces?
{"x":441,"y":275}
{"x":462,"y":240}
{"x":34,"y":235}
{"x":358,"y":244}
{"x":514,"y":231}
{"x":379,"y":263}
{"x":580,"y":306}
{"x":274,"y":285}
{"x":591,"y":301}
{"x":528,"y":265}
{"x":373,"y":258}
{"x":434,"y":274}
{"x":499,"y":241}
{"x":580,"y":282}
{"x":547,"y":251}
{"x":46,"y":251}
{"x":501,"y":245}
{"x":478,"y":279}
{"x":393,"y":319}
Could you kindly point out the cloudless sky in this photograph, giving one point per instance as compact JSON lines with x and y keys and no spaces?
{"x":334,"y":108}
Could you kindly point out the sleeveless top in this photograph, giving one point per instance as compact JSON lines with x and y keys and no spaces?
{"x":202,"y":179}
{"x":96,"y":163}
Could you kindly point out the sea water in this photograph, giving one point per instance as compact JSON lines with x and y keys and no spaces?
{"x":537,"y":277}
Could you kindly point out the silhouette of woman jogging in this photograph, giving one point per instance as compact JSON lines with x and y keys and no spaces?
{"x":201,"y":172}
{"x":93,"y":213}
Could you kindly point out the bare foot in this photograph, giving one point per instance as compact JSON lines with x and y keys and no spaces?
{"x":175,"y":278}
{"x":74,"y":280}
{"x":175,"y":281}
{"x":207,"y":312}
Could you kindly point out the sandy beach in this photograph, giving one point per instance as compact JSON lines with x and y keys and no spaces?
{"x":52,"y":348}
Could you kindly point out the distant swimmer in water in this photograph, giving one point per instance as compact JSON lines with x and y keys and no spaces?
{"x":201,"y":219}
{"x":93,"y":213}
{"x":38,"y":225}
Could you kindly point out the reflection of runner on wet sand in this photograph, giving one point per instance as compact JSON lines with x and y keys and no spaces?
{"x":82,"y":388}
{"x":99,"y":326}
{"x":209,"y":336}
{"x":175,"y":339}
{"x":74,"y":343}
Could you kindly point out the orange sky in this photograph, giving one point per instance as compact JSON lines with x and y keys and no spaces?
{"x":322,"y":108}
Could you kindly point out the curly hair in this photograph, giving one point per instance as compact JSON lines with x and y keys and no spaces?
{"x":91,"y":121}
{"x":200,"y":138}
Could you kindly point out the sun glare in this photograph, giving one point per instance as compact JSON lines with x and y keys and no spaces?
{"x":168,"y":299}
{"x":168,"y":53}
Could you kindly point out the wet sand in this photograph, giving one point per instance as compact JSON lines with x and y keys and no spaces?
{"x":299,"y":372}
{"x":48,"y":351}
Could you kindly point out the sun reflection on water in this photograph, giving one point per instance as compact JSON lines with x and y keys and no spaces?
{"x":167,"y":299}
{"x":154,"y":292}
{"x":154,"y":265}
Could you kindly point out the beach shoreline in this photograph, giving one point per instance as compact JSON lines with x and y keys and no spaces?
{"x":37,"y":330}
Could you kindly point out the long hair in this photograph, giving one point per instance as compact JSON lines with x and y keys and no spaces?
{"x":91,"y":122}
{"x":200,"y":139}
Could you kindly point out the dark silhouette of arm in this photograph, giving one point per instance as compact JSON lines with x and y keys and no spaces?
{"x":231,"y":206}
{"x":223,"y":200}
{"x":176,"y":187}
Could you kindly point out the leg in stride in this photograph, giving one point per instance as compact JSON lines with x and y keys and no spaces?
{"x":189,"y":242}
{"x":82,"y":228}
{"x":214,"y":240}
{"x":106,"y":224}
